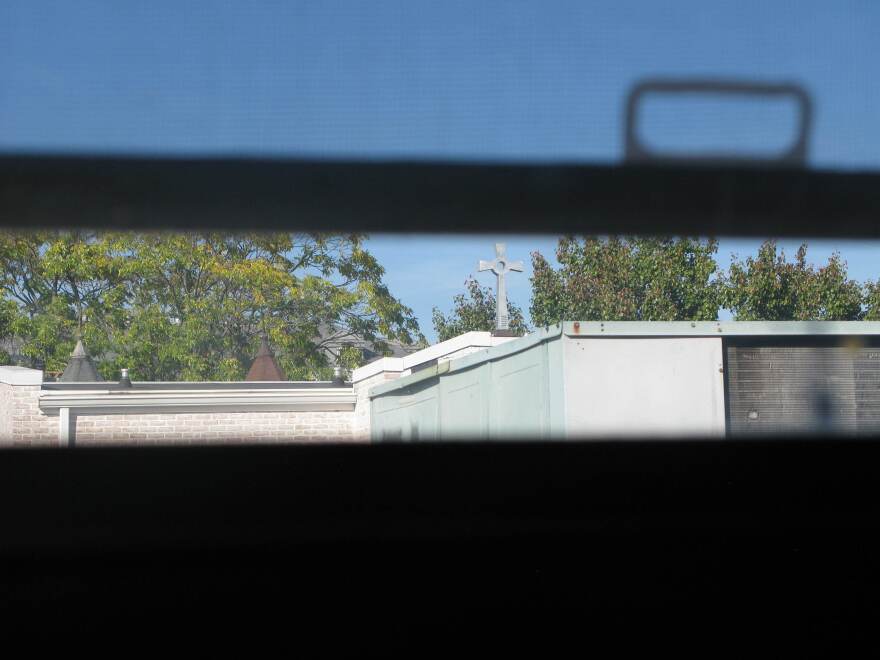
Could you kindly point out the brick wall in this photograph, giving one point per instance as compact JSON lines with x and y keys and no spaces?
{"x":214,"y":428}
{"x":5,"y":413}
{"x":23,"y":424}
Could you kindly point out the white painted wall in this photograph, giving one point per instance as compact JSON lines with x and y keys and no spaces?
{"x":657,"y":386}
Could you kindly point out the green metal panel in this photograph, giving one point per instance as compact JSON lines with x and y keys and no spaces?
{"x":464,"y":408}
{"x":499,"y":392}
{"x":468,"y":361}
{"x":408,"y":416}
{"x":519,"y":395}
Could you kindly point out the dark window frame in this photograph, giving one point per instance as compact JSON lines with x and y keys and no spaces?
{"x":381,"y":196}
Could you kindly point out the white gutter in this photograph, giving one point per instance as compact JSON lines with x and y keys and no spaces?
{"x":103,"y":401}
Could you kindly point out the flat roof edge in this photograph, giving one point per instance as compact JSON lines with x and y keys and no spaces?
{"x":718,"y":328}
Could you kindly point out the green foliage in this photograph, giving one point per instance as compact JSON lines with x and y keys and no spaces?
{"x":54,"y":278}
{"x":8,"y":313}
{"x":183,"y":306}
{"x":769,"y":287}
{"x":626,"y":279}
{"x":474,"y":310}
{"x":872,"y":301}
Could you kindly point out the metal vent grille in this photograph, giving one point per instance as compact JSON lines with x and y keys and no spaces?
{"x":803,"y":388}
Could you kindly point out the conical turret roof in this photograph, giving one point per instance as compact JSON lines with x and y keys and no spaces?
{"x":264,"y":366}
{"x":80,"y":368}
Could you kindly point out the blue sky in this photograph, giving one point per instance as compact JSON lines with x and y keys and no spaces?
{"x":490,"y":81}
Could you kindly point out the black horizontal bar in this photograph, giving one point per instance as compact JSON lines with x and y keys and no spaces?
{"x":226,"y":194}
{"x":102,"y":500}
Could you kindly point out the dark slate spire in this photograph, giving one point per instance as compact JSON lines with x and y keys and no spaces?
{"x":80,"y":368}
{"x":264,"y":366}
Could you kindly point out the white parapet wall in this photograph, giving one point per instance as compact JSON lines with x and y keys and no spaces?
{"x":465,"y":344}
{"x":381,"y":371}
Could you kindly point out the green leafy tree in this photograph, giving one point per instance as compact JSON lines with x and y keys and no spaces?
{"x":626,"y":279}
{"x":8,"y":313}
{"x":474,"y":310}
{"x":56,"y":280}
{"x":872,"y":301}
{"x":172,"y":306}
{"x":768,"y":287}
{"x":206,"y":299}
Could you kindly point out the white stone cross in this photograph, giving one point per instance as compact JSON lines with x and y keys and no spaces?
{"x":501,"y":266}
